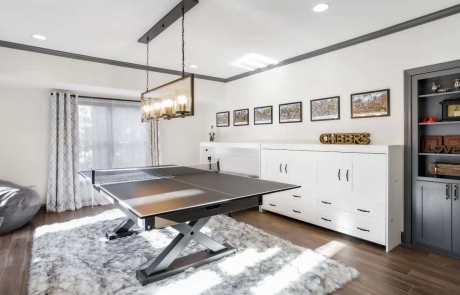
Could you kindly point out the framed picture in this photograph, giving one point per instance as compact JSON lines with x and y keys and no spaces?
{"x":325,"y":109}
{"x":291,"y":112}
{"x":429,"y":142}
{"x":241,"y":117}
{"x":452,"y":140}
{"x":370,"y":104}
{"x":263,"y":115}
{"x":223,"y":119}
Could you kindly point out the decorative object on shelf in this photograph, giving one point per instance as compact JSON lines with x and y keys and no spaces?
{"x":429,"y":120}
{"x":263,"y":115}
{"x":370,"y":104}
{"x":446,"y":149}
{"x":429,"y":142}
{"x":212,"y":134}
{"x":457,"y":84}
{"x":451,"y":109}
{"x":241,"y":117}
{"x":345,"y":138}
{"x":452,"y":140}
{"x":435,"y":87}
{"x":324,"y":109}
{"x":441,"y":169}
{"x":290,"y":112}
{"x":444,"y":90}
{"x":223,"y":119}
{"x":171,"y":100}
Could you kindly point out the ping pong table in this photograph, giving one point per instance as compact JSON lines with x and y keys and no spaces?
{"x":182,"y":197}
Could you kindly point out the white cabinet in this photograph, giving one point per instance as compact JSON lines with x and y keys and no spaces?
{"x":343,"y":188}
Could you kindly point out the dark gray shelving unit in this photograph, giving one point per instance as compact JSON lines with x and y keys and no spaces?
{"x":434,"y":212}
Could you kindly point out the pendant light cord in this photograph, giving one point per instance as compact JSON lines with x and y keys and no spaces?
{"x":147,"y":66}
{"x":183,"y":40}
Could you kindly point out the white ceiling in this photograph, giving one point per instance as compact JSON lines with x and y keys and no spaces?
{"x":217,"y":32}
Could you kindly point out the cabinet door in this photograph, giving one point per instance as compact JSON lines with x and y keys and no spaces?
{"x":456,"y":218}
{"x":330,"y":172}
{"x":365,"y":177}
{"x":275,"y":164}
{"x":432,"y":222}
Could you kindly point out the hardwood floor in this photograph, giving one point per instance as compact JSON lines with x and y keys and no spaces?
{"x":405,"y":270}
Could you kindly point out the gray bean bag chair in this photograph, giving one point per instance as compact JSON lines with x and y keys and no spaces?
{"x":18,"y":205}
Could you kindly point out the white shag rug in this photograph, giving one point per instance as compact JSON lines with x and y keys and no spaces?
{"x":75,"y":258}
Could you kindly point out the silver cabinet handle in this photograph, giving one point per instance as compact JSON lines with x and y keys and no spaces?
{"x":347,"y":174}
{"x":327,"y":203}
{"x":325,"y":219}
{"x":447,"y":192}
{"x":363,"y":229}
{"x":296,"y":211}
{"x":281,"y":165}
{"x":285,"y":168}
{"x":365,"y":211}
{"x":272,"y":205}
{"x":456,"y":193}
{"x":339,"y":174}
{"x":295,"y":196}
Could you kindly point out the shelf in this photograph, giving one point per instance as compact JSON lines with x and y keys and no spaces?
{"x":441,"y":94}
{"x":441,"y":123}
{"x":442,"y":155}
{"x":443,"y":179}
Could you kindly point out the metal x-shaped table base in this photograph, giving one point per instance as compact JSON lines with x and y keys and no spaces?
{"x":167,"y":264}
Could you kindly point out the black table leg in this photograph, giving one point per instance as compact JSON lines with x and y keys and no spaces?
{"x":126,"y":228}
{"x":167,"y":264}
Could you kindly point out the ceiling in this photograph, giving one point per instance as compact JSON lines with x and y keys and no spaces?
{"x":217,"y":32}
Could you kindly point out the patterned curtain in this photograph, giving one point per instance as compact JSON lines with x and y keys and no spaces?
{"x":154,"y":152}
{"x":63,"y":185}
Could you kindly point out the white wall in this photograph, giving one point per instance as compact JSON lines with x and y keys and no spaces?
{"x":26,"y":80}
{"x":25,"y":136}
{"x":374,"y":65}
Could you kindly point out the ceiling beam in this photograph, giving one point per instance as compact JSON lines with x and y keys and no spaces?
{"x":168,"y":20}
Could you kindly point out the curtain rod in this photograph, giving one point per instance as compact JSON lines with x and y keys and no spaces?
{"x":105,"y":98}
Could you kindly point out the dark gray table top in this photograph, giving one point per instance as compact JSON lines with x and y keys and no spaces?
{"x":152,"y":197}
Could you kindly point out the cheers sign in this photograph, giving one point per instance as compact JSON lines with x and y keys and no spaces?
{"x":345,"y":138}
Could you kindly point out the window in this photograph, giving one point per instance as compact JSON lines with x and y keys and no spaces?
{"x":111,"y":134}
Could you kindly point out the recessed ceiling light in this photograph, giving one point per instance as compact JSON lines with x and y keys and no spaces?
{"x":253,"y":61}
{"x":39,"y":37}
{"x":320,"y":7}
{"x":193,"y":66}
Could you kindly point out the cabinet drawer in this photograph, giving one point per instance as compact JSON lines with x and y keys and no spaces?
{"x":351,"y":224}
{"x":376,"y":212}
{"x":327,"y":202}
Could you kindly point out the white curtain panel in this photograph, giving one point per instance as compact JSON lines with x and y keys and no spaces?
{"x":112,"y":134}
{"x":63,"y":186}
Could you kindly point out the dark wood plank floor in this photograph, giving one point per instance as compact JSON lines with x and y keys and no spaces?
{"x":405,"y":270}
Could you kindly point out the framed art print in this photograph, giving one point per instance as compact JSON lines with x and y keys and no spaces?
{"x":370,"y":104}
{"x":290,"y":112}
{"x":241,"y":117}
{"x":324,"y":109}
{"x":263,"y":115}
{"x":223,"y":119}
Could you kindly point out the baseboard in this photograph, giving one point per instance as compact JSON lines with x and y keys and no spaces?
{"x":42,"y":208}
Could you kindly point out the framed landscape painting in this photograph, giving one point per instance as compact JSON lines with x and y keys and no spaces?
{"x":223,"y":119}
{"x":291,"y":112}
{"x":241,"y":117}
{"x":324,"y":109}
{"x":370,"y":104}
{"x":263,"y":115}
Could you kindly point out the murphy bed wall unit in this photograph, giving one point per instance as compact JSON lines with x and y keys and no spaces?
{"x":356,"y":190}
{"x":432,"y":211}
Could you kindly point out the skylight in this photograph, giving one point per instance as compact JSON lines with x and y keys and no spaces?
{"x":253,"y":61}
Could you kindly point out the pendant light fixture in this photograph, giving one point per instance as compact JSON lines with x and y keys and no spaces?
{"x":174,"y":99}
